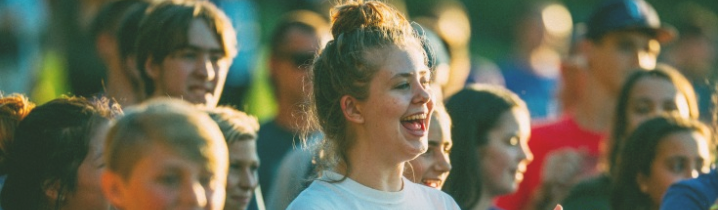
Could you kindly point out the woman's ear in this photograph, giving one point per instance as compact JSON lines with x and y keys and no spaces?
{"x":352,"y":109}
{"x":112,"y":188}
{"x":152,"y":69}
{"x":52,"y":190}
{"x":642,"y":182}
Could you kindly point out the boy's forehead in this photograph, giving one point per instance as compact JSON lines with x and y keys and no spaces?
{"x":200,"y":35}
{"x":165,"y":157}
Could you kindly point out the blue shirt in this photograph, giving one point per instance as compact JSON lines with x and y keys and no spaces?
{"x":273,"y":143}
{"x":699,"y":193}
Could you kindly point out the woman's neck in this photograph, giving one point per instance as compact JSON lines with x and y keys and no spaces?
{"x":371,"y":170}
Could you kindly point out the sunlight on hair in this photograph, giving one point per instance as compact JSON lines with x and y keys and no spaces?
{"x":557,"y":20}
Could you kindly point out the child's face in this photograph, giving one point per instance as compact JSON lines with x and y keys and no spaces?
{"x":88,"y":193}
{"x":164,"y":179}
{"x":242,"y":178}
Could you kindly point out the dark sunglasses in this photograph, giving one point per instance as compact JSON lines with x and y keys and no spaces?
{"x":302,"y":59}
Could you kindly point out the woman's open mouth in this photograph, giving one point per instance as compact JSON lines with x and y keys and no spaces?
{"x":434,"y":183}
{"x":415,"y":124}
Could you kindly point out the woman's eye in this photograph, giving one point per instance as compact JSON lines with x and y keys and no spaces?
{"x":425,"y":83}
{"x":641,"y":109}
{"x":169,"y":180}
{"x":403,"y":86}
{"x":205,"y":180}
{"x":234,"y":166}
{"x":677,"y":166}
{"x":429,"y":152}
{"x":447,"y":150}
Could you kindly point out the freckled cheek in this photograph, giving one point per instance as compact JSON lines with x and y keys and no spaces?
{"x":160,"y":197}
{"x":392,"y":107}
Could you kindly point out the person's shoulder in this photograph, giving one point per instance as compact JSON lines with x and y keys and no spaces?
{"x":596,"y":185}
{"x":317,"y":196}
{"x":269,"y":126}
{"x":697,"y":193}
{"x":434,"y":197}
{"x":593,"y":193}
{"x":706,"y":184}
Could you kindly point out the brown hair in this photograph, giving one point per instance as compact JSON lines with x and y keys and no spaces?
{"x":620,"y":120}
{"x":234,"y":124}
{"x":13,"y":109}
{"x":474,"y":111}
{"x":50,"y":144}
{"x":164,"y":30}
{"x":638,"y":154}
{"x":346,"y":66}
{"x":170,"y":123}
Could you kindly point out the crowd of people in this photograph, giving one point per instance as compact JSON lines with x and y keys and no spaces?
{"x":374,"y":111}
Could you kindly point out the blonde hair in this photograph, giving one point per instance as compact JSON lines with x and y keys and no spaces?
{"x":171,"y":123}
{"x":234,"y":124}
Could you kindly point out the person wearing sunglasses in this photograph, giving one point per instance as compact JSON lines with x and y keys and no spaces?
{"x":296,"y":39}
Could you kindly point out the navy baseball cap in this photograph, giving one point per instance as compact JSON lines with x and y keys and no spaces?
{"x":617,"y":15}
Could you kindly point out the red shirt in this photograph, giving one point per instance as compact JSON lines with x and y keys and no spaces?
{"x":564,"y":133}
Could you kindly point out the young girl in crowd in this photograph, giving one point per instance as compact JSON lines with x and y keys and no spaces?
{"x":645,"y":94}
{"x":240,"y":132}
{"x":372,"y":101}
{"x":432,"y":167}
{"x":490,"y":153}
{"x":55,"y":159}
{"x":660,"y":152}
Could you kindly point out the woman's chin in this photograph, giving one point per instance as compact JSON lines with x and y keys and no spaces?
{"x":416,"y":147}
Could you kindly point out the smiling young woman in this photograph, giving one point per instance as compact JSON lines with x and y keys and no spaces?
{"x":372,"y":101}
{"x":490,"y":131}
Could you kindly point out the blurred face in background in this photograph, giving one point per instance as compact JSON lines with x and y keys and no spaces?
{"x":89,"y":191}
{"x":432,"y":167}
{"x":242,"y":176}
{"x":652,"y":96}
{"x":612,"y":58}
{"x":680,"y":155}
{"x":506,"y":154}
{"x":290,"y":66}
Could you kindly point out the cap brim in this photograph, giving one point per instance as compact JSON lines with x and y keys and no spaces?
{"x":666,"y":33}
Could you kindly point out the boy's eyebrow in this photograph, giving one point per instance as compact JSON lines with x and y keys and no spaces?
{"x":197,"y":48}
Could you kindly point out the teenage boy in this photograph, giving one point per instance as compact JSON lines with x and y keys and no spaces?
{"x":184,"y":50}
{"x":165,"y":154}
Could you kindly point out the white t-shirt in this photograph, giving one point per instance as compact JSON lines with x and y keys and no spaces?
{"x":349,"y":194}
